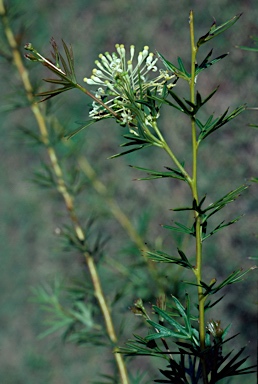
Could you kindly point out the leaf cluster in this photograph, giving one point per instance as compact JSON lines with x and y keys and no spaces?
{"x":181,"y":71}
{"x":152,"y":174}
{"x":187,"y":367}
{"x":188,"y":107}
{"x":143,"y":135}
{"x":217,"y":30}
{"x":206,"y":213}
{"x":162,"y":257}
{"x":74,"y":181}
{"x":70,"y":312}
{"x":185,"y":332}
{"x":62,"y":67}
{"x":234,"y":277}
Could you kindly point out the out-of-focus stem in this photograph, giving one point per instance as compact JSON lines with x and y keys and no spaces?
{"x":68,"y":199}
{"x":113,"y":206}
{"x":120,"y":216}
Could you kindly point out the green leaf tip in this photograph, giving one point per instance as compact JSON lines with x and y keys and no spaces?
{"x":217,"y":30}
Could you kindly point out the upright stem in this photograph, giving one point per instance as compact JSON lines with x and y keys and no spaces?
{"x":62,"y":189}
{"x":194,"y":187}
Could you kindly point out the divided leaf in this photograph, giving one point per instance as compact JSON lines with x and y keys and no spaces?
{"x":179,"y":72}
{"x":157,"y":175}
{"x":63,"y":68}
{"x":185,"y":332}
{"x":136,"y":142}
{"x":212,"y":125}
{"x":206,"y":63}
{"x":84,"y":125}
{"x":181,"y":228}
{"x":233,"y":278}
{"x":217,"y":30}
{"x":220,"y":226}
{"x":199,"y":102}
{"x":162,"y":257}
{"x":224,"y":200}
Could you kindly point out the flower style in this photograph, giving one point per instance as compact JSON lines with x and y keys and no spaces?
{"x":121,"y":82}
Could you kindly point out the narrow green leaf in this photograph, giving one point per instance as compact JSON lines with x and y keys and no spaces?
{"x":156,"y":174}
{"x":225,"y":332}
{"x":233,"y":278}
{"x":52,"y":93}
{"x":209,"y":64}
{"x":180,"y":308}
{"x":165,"y":332}
{"x":171,"y":67}
{"x":162,"y":257}
{"x":181,"y":228}
{"x":65,"y":66}
{"x":165,"y":101}
{"x":206,"y":59}
{"x":70,"y":59}
{"x":221,"y":226}
{"x":130,"y":150}
{"x":36,"y":138}
{"x":57,"y":326}
{"x":182,"y":209}
{"x":230,"y":369}
{"x":181,"y":104}
{"x":133,"y":140}
{"x":70,"y":135}
{"x":226,"y":199}
{"x":216,"y":30}
{"x":169,"y":319}
{"x":252,"y":49}
{"x":182,"y":255}
{"x":209,"y":96}
{"x":199,"y":103}
{"x":210,"y":304}
{"x":211,"y":126}
{"x":58,"y":81}
{"x":182,"y":67}
{"x":188,"y":315}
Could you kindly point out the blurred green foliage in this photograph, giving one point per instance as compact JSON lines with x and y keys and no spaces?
{"x":30,"y":250}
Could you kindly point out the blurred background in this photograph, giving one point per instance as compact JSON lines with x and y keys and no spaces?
{"x":31,"y":253}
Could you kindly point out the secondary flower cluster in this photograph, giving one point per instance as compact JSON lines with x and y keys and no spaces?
{"x":121,"y":81}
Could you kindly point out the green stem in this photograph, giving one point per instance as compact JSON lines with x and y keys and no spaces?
{"x":162,"y":143}
{"x":177,"y":163}
{"x":194,"y":187}
{"x":84,"y":90}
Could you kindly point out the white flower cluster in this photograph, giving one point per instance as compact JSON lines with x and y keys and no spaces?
{"x":118,"y":79}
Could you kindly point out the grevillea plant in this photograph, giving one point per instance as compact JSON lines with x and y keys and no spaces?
{"x":132,"y":89}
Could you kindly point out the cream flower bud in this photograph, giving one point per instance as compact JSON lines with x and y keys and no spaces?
{"x":132,"y":49}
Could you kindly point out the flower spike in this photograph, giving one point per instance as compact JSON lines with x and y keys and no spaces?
{"x":121,"y":80}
